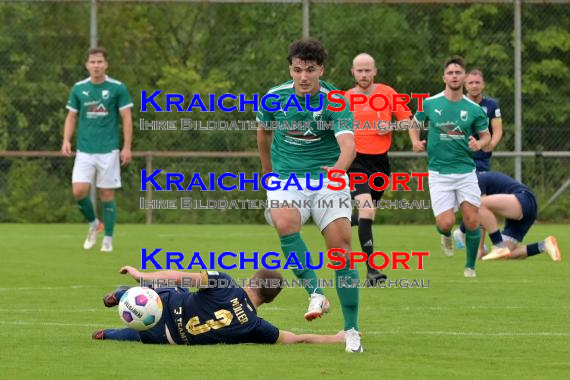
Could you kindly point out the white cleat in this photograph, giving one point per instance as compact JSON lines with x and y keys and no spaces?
{"x":459,"y":238}
{"x":107,"y":245}
{"x":447,"y":245}
{"x":92,"y":234}
{"x":469,"y":273}
{"x":551,"y":248}
{"x":352,"y":340}
{"x":498,"y":253}
{"x":318,"y":305}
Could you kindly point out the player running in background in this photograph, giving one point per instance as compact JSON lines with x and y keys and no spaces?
{"x":475,"y":85}
{"x":211,"y":315}
{"x":97,"y":102}
{"x":372,"y":145}
{"x":453,"y":119}
{"x":506,"y":197}
{"x":314,"y":151}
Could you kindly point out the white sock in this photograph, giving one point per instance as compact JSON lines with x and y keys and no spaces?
{"x":94,"y":224}
{"x":107,"y":239}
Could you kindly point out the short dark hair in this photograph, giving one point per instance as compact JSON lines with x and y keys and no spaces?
{"x":96,"y":50}
{"x":476,"y":72}
{"x":307,"y":49}
{"x":456,"y":60}
{"x":267,"y":290}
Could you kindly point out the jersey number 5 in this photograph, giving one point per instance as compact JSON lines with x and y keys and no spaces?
{"x":223,"y":319}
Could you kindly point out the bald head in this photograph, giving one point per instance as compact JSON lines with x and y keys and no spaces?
{"x":363,"y":59}
{"x":363,"y":71}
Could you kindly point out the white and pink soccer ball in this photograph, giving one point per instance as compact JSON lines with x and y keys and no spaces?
{"x":140,"y":308}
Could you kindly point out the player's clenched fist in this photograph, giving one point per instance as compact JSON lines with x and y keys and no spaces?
{"x":419,"y":146}
{"x":474,"y":144}
{"x":133,"y":272}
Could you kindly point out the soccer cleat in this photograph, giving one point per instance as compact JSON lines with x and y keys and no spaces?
{"x":551,"y":248}
{"x":352,"y":340}
{"x":107,"y":245}
{"x":98,"y":335}
{"x":498,"y":253}
{"x":318,"y":305}
{"x":469,"y":273}
{"x":92,"y":233}
{"x":375,"y":276}
{"x":113,"y":298}
{"x":447,"y":245}
{"x":459,"y":238}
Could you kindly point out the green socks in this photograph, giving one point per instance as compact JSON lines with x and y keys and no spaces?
{"x":294,"y":243}
{"x":109,"y":216}
{"x":348,"y":295}
{"x":86,"y":207}
{"x":472,"y":238}
{"x":344,"y":277}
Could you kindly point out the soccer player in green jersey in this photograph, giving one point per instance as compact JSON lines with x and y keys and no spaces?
{"x":97,"y":102}
{"x":453,"y":119}
{"x":311,"y":151}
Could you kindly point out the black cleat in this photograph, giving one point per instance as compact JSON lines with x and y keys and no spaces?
{"x":98,"y":335}
{"x":112,"y":299}
{"x":375,"y":277}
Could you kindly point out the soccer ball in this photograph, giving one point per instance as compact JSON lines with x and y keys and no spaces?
{"x":140,"y":308}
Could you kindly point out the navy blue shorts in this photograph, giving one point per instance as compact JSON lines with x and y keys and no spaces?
{"x":517,"y":229}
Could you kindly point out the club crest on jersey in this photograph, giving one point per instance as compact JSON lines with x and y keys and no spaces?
{"x":463,"y":115}
{"x":317,"y":115}
{"x":105,"y":94}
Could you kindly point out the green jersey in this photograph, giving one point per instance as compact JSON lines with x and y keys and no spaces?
{"x":99,"y":107}
{"x":450,"y":125}
{"x":303,"y":140}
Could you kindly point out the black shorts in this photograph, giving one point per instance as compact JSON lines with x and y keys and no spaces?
{"x":517,"y":229}
{"x":370,"y":164}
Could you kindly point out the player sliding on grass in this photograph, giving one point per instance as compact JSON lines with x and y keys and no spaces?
{"x":313,"y":151}
{"x":510,"y":199}
{"x":193,"y":318}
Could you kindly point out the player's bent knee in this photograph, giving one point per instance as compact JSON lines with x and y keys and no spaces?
{"x":79,"y":194}
{"x":106,"y":195}
{"x":445,"y":224}
{"x":285,"y":226}
{"x":366,"y":213}
{"x":471,"y":221}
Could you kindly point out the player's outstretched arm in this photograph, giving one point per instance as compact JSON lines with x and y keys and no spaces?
{"x":287,"y":337}
{"x":160,"y":275}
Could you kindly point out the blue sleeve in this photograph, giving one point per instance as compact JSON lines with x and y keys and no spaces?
{"x":495,"y":112}
{"x":264,"y":333}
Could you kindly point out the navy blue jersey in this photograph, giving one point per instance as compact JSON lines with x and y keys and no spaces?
{"x":492,"y":183}
{"x":216,"y":315}
{"x":491,"y":108}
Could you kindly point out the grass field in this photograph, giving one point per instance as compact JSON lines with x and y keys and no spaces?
{"x":512,"y":321}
